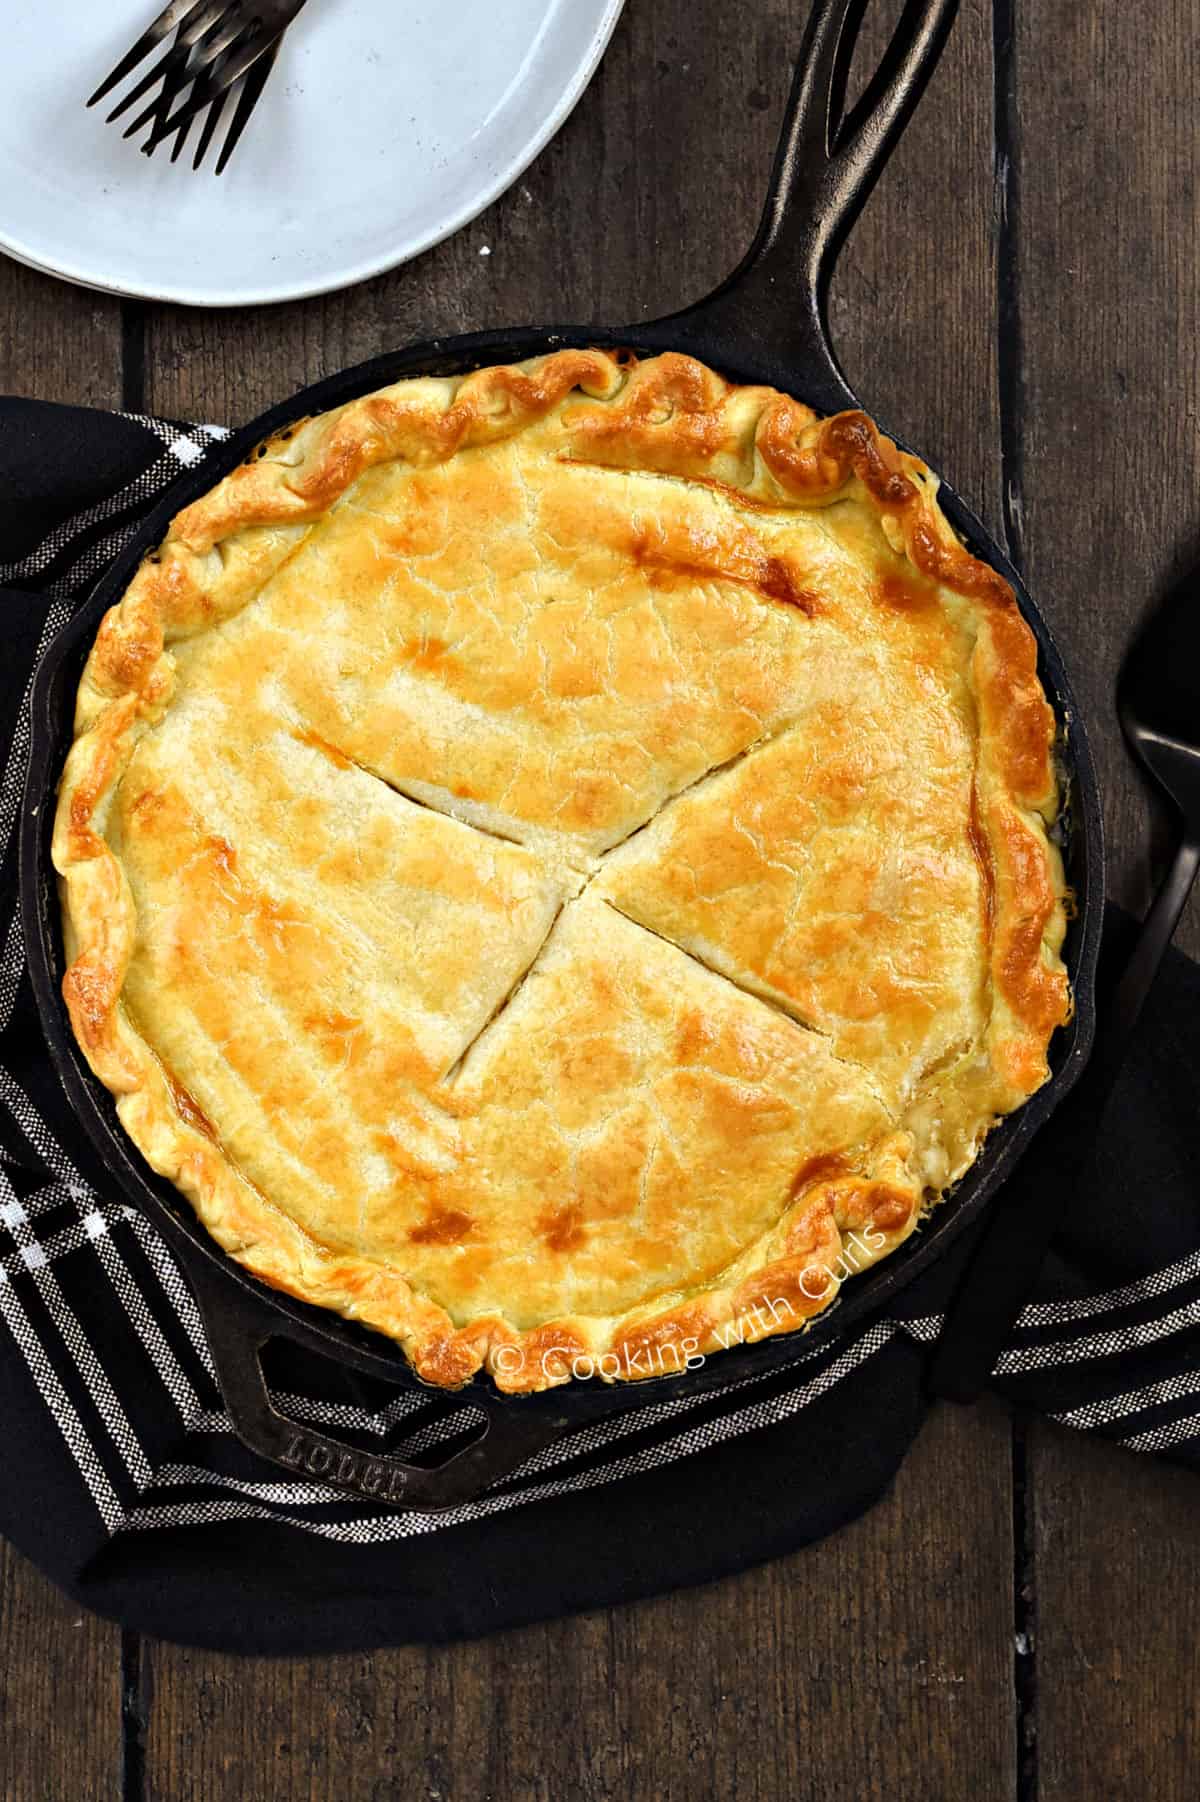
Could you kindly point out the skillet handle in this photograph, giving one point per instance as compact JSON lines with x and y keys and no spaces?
{"x":826,"y":165}
{"x":238,"y":1329}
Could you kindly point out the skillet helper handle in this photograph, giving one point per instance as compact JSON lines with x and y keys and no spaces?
{"x":238,"y":1328}
{"x":1013,"y":1247}
{"x":826,"y":165}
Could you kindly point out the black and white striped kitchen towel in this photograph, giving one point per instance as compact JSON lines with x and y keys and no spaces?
{"x":121,"y":1476}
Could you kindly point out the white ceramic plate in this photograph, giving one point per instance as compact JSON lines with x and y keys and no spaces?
{"x":385,"y":126}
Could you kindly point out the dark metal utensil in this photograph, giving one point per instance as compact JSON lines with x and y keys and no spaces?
{"x":219,"y":47}
{"x":1158,"y":700}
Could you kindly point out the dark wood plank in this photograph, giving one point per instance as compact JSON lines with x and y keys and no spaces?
{"x":58,"y":342}
{"x":60,"y":1693}
{"x":649,"y":195}
{"x":913,"y":305}
{"x":1110,"y":287}
{"x":869,"y":1665}
{"x":1110,"y":284}
{"x":1117,"y":1549}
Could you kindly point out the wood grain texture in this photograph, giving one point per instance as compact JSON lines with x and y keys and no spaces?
{"x":1110,"y":292}
{"x":924,"y":251}
{"x":56,"y":342}
{"x":1117,"y":1548}
{"x":871,"y":1665}
{"x":1110,"y":285}
{"x":620,"y":218}
{"x":60,"y":1694}
{"x":646,"y":198}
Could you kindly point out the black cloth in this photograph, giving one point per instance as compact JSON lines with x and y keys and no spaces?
{"x":122,"y":1479}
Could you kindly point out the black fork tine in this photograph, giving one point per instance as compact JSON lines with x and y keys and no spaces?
{"x":181,"y":136}
{"x":236,"y":61}
{"x":212,"y":120}
{"x":252,"y":87}
{"x":155,"y":115}
{"x":196,"y":68}
{"x":204,"y":19}
{"x":162,"y":103}
{"x":163,"y":69}
{"x":216,"y":106}
{"x":220,"y":48}
{"x":177,"y":14}
{"x":189,"y":96}
{"x":200,"y":91}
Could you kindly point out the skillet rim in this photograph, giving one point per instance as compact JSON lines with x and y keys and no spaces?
{"x":343,"y":1340}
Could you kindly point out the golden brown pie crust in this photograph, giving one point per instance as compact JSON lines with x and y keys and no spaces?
{"x":555,"y":862}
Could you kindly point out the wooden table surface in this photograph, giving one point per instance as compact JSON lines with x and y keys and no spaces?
{"x":1020,"y":300}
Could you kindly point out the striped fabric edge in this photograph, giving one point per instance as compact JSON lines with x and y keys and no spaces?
{"x":82,"y":546}
{"x":372,"y":1528}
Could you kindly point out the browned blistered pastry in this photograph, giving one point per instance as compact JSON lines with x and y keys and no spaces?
{"x":555,"y":862}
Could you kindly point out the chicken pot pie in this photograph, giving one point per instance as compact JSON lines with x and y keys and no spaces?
{"x":555,"y":862}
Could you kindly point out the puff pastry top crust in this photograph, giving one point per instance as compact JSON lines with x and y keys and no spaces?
{"x":555,"y":862}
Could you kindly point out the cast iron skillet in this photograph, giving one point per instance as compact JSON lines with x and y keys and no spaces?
{"x":765,"y":324}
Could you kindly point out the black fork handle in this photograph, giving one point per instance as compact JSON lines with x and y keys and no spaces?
{"x":826,"y":165}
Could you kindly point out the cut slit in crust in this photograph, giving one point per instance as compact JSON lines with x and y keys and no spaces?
{"x":746,"y":468}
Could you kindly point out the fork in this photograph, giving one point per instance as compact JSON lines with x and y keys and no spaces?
{"x":218,"y":46}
